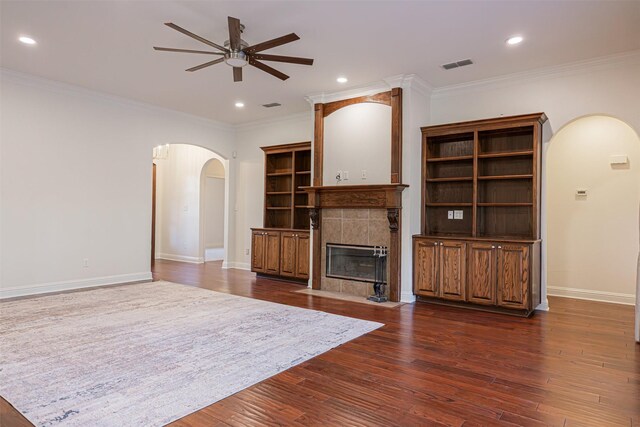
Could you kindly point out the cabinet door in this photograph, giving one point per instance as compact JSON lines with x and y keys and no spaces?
{"x":302,"y":256}
{"x":513,"y":276}
{"x":425,"y":267}
{"x":272,"y":252}
{"x":258,"y":239}
{"x":453,"y":270}
{"x":288,"y":254}
{"x":481,"y":280}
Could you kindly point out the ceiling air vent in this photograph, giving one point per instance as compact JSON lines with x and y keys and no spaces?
{"x":271,"y":105}
{"x":457,"y":64}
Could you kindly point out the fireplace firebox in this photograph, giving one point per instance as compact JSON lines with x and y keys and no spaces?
{"x":359,"y":263}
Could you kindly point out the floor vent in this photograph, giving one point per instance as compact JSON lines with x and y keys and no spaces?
{"x":457,"y":64}
{"x":271,"y":105}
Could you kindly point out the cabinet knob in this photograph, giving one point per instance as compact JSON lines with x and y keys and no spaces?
{"x":493,"y":247}
{"x":499,"y":247}
{"x":440,"y":243}
{"x":435,"y":243}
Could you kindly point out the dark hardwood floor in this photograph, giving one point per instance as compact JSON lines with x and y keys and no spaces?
{"x":576,"y":365}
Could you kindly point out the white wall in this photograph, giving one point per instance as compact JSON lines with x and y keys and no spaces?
{"x":178,"y":203}
{"x":609,"y":86}
{"x":592,"y":241}
{"x":214,"y":205}
{"x":415,"y":114}
{"x":356,"y":139}
{"x":250,"y":172}
{"x":76,"y":183}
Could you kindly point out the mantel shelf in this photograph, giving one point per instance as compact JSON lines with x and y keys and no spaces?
{"x":382,"y":196}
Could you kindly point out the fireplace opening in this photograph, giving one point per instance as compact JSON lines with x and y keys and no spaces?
{"x":359,"y":263}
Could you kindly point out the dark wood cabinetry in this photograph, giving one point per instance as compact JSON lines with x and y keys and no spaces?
{"x":281,"y":247}
{"x":481,"y":206}
{"x":265,"y":249}
{"x":294,"y":254}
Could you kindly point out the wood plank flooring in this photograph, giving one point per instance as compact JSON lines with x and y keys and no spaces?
{"x":434,"y":366}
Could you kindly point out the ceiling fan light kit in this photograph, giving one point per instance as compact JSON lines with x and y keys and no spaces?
{"x":237,"y":53}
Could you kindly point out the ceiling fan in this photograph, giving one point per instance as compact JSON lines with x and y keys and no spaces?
{"x":237,"y":53}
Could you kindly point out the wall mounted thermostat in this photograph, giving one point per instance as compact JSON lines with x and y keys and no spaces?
{"x":620,"y":159}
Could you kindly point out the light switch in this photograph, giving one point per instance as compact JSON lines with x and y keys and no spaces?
{"x":457,"y":214}
{"x":449,"y":214}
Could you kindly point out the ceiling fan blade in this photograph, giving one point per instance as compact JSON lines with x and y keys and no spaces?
{"x":280,"y":58}
{"x":272,"y":43}
{"x":234,"y":33}
{"x":194,"y":36}
{"x":206,"y":64}
{"x":237,"y":74}
{"x":171,"y":49}
{"x":267,"y":69}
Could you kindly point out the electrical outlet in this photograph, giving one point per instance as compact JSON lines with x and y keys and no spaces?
{"x":449,"y":214}
{"x":339,"y":176}
{"x":457,"y":214}
{"x":85,"y":262}
{"x":363,"y":174}
{"x":345,"y":175}
{"x":246,"y":251}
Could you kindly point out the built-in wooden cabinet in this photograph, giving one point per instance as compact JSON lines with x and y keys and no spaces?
{"x":280,"y":253}
{"x":475,"y":272}
{"x":439,"y":268}
{"x":265,"y":250}
{"x":281,"y":248}
{"x":294,"y":254}
{"x":481,"y":277}
{"x":481,"y":201}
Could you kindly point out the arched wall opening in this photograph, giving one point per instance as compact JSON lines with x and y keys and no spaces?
{"x":180,"y":202}
{"x":590,"y":210}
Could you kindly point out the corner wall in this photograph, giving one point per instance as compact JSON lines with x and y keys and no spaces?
{"x":250,"y":173}
{"x":76,"y":183}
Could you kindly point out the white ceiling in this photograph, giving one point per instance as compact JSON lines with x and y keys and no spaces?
{"x":107,"y":45}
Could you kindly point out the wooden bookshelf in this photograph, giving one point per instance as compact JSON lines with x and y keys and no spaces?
{"x":287,"y":169}
{"x":488,"y":170}
{"x":281,"y":247}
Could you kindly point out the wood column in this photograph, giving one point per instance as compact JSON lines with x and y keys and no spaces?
{"x":393,"y":215}
{"x":316,"y":273}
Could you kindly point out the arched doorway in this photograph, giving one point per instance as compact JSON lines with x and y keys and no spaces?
{"x":180,"y":205}
{"x":592,"y":201}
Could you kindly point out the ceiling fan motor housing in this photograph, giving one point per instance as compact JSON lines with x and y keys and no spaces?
{"x":236,"y":58}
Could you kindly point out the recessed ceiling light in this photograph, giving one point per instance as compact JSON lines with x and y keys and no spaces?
{"x":27,"y":40}
{"x":239,"y":104}
{"x":514,"y":40}
{"x":342,"y":80}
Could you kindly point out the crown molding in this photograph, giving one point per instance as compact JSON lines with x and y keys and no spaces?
{"x":61,"y":87}
{"x":568,"y":69}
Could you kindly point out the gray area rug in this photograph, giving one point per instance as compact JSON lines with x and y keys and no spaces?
{"x":148,"y":354}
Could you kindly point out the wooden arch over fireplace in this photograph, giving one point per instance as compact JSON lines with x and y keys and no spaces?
{"x":392,"y":98}
{"x":379,"y":196}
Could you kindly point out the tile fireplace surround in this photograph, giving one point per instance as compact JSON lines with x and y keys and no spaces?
{"x":368,"y":227}
{"x":356,"y":215}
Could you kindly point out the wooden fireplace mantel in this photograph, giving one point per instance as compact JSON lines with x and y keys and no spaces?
{"x":376,"y":196}
{"x":382,"y":196}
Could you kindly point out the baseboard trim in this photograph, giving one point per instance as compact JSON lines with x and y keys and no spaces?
{"x":407,"y":297}
{"x":602,"y":296}
{"x":237,"y":265}
{"x":67,"y":285}
{"x":181,"y":258}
